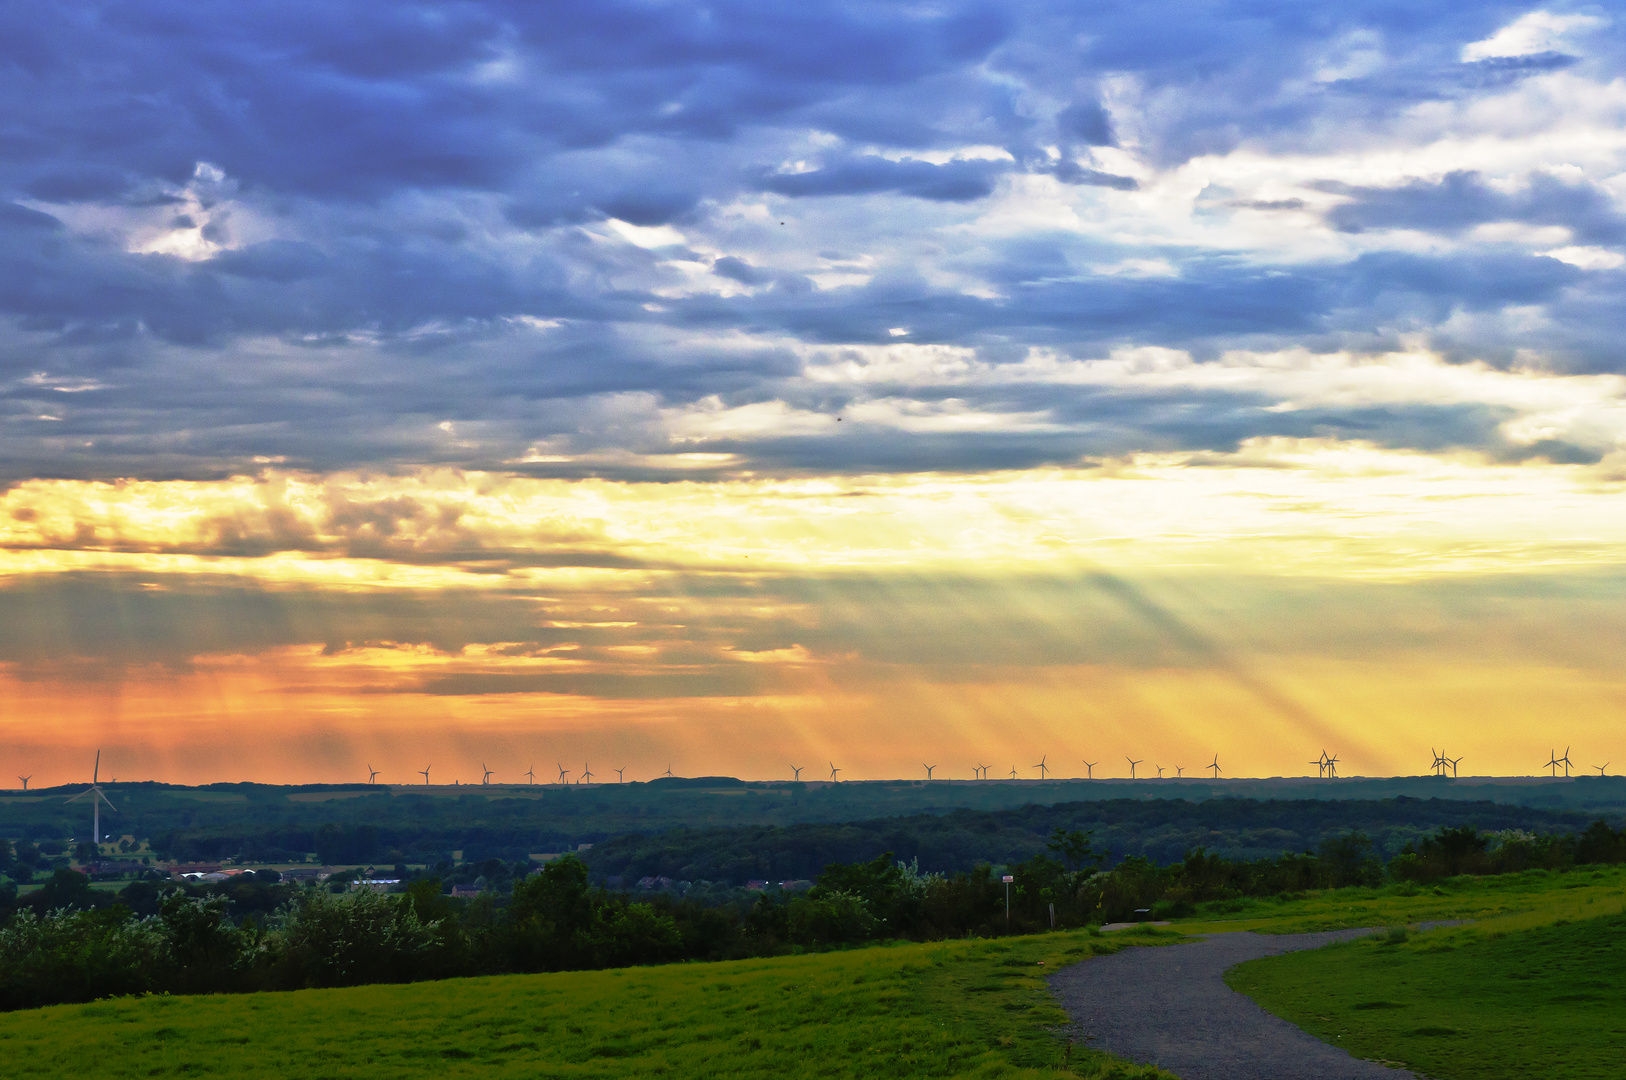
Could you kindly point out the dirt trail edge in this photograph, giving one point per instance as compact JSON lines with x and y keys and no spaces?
{"x":1169,"y":1006}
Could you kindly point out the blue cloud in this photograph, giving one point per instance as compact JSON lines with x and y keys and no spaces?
{"x":955,"y":181}
{"x":384,"y":198}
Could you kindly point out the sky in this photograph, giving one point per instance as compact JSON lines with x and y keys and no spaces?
{"x":732,"y":387}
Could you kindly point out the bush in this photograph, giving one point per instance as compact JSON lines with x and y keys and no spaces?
{"x":364,"y":937}
{"x":76,"y":956}
{"x":835,"y":918}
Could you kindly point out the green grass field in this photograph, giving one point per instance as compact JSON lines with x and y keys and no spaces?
{"x":1541,"y":895}
{"x":1529,"y":989}
{"x":1530,"y":992}
{"x":971,"y":1009}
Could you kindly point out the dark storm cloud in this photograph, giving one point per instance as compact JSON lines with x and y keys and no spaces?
{"x":378,"y":201}
{"x":1461,"y":200}
{"x":955,"y":181}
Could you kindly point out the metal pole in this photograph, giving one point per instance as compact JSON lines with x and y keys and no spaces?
{"x":1008,"y":880}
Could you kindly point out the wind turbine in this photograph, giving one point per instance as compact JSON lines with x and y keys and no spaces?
{"x":980,"y":771}
{"x":796,"y":773}
{"x":96,"y":800}
{"x":1042,"y":767}
{"x":531,"y":772}
{"x":621,"y":775}
{"x":1216,"y":767}
{"x":833,"y":772}
{"x":1132,"y":763}
{"x":1332,"y":767}
{"x":587,"y":775}
{"x":1159,"y":769}
{"x":1565,"y":761}
{"x":1454,"y":762}
{"x":1552,"y":759}
{"x":668,"y":771}
{"x":928,"y":769}
{"x":25,"y":780}
{"x":1089,"y":769}
{"x":1179,"y":772}
{"x":372,"y":775}
{"x":1600,"y":769}
{"x":564,"y":775}
{"x":486,"y":779}
{"x":424,"y":772}
{"x":1013,"y":772}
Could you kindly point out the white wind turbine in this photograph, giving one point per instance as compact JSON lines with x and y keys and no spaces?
{"x":96,"y":800}
{"x":25,"y":780}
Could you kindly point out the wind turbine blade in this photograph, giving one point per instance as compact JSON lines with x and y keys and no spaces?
{"x":95,"y":774}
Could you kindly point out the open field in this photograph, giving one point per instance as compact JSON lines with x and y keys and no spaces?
{"x":948,"y":1009}
{"x":1531,"y":992}
{"x":1527,"y":984}
{"x":1537,"y":894}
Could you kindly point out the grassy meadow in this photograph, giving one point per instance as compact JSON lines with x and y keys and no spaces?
{"x":1532,"y":989}
{"x":1528,"y":988}
{"x":962,"y":1008}
{"x":1538,"y":895}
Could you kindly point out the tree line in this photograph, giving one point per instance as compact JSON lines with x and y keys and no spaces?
{"x":68,"y":942}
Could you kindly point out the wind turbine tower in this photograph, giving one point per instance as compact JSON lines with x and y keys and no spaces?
{"x":587,"y":775}
{"x":833,"y":772}
{"x":1042,"y":767}
{"x":796,"y":773}
{"x":621,"y":775}
{"x":928,"y":769}
{"x":372,"y":775}
{"x":1089,"y":769}
{"x":96,"y":800}
{"x":1132,"y":763}
{"x":564,"y":775}
{"x":1216,"y":767}
{"x":424,"y":772}
{"x":25,"y":780}
{"x":486,"y":777}
{"x":531,"y":773}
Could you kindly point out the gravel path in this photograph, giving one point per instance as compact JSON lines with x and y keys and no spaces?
{"x":1169,"y":1006}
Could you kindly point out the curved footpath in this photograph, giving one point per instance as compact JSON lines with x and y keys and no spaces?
{"x":1169,"y":1006}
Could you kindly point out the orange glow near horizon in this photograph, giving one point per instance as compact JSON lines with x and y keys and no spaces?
{"x":1262,"y":606}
